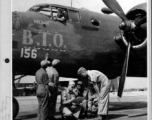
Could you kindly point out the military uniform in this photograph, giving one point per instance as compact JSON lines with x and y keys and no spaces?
{"x":104,"y":85}
{"x":80,"y":88}
{"x":67,"y":108}
{"x":61,"y":15}
{"x":42,"y":94}
{"x":93,"y":103}
{"x":53,"y":88}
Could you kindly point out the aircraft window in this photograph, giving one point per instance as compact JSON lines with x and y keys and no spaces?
{"x":44,"y":9}
{"x":95,"y":22}
{"x":74,"y":16}
{"x":54,"y":12}
{"x":59,"y":14}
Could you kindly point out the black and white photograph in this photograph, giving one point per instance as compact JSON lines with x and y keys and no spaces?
{"x":79,"y":60}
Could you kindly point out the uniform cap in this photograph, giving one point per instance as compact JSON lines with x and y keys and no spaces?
{"x":44,"y":63}
{"x":60,"y":10}
{"x":71,"y":82}
{"x":55,"y":62}
{"x":79,"y":83}
{"x":81,"y":70}
{"x":90,"y":82}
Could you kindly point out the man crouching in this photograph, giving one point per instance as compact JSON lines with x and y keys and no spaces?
{"x":67,"y":105}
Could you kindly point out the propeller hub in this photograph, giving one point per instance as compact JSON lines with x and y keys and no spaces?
{"x":122,"y":26}
{"x":127,"y":25}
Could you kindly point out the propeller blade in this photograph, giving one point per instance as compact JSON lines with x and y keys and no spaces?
{"x":124,"y":71}
{"x":115,"y":7}
{"x":144,"y":26}
{"x":141,"y":21}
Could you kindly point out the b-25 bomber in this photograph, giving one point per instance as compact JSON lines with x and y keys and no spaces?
{"x":117,"y":46}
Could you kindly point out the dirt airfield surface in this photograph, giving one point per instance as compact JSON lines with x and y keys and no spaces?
{"x":132,"y":106}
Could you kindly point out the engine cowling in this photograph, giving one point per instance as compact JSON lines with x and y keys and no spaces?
{"x":139,"y":40}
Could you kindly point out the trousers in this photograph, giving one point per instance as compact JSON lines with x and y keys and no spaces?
{"x":43,"y":103}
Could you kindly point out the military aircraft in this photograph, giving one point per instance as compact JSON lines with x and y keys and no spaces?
{"x":84,"y":38}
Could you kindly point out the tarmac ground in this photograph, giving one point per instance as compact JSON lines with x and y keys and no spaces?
{"x":132,"y":106}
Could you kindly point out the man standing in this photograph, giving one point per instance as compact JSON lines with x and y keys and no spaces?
{"x":53,"y":86}
{"x":42,"y":92}
{"x":102,"y":86}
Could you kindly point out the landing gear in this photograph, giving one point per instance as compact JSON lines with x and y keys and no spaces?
{"x":15,"y":103}
{"x":15,"y":108}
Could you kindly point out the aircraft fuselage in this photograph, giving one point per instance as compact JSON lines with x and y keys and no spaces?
{"x":76,"y":42}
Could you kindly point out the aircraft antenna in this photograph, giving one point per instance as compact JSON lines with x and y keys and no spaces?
{"x":71,"y":3}
{"x":78,"y":2}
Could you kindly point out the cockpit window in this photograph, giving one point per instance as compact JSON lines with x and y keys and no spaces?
{"x":74,"y":16}
{"x":54,"y":12}
{"x":44,"y":9}
{"x":51,"y":11}
{"x":58,"y":13}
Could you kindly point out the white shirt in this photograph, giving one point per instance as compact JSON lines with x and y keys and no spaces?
{"x":94,"y":74}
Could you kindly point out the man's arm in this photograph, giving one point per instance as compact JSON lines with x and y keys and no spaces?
{"x":61,"y":19}
{"x":64,"y":99}
{"x":51,"y":78}
{"x":46,"y":81}
{"x":96,"y":88}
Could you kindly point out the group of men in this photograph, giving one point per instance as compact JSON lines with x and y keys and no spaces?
{"x":47,"y":78}
{"x":75,"y":100}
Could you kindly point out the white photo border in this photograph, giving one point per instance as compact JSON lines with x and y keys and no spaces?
{"x":5,"y":60}
{"x":149,"y":63}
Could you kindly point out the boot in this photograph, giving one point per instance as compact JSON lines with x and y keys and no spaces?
{"x":99,"y":117}
{"x":105,"y":117}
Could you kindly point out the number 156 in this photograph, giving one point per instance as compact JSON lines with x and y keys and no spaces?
{"x":28,"y":53}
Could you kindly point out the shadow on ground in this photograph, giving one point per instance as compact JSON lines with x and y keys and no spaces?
{"x":114,"y":106}
{"x":24,"y":117}
{"x":113,"y":116}
{"x":29,"y":116}
{"x":145,"y":114}
{"x":127,"y":105}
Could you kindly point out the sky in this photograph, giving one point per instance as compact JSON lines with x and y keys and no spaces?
{"x":93,"y":5}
